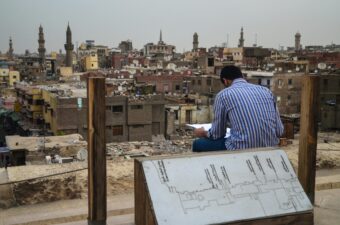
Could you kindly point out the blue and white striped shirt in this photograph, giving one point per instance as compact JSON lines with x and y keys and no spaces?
{"x":250,"y":112}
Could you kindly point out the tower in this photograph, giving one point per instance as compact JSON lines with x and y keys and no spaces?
{"x":41,"y":48}
{"x":195,"y":42}
{"x":10,"y":50}
{"x":69,"y":47}
{"x":241,"y":40}
{"x":297,"y":41}
{"x":160,"y":42}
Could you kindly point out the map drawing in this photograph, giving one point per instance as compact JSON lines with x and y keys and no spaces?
{"x":212,"y":189}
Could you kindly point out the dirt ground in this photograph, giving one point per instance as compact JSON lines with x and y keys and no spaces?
{"x":66,"y":186}
{"x":120,"y":174}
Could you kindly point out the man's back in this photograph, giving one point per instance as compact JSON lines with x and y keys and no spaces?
{"x":251,"y":113}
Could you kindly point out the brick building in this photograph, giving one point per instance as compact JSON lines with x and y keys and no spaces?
{"x":286,"y":88}
{"x":205,"y":84}
{"x":165,"y":83}
{"x":330,"y":101}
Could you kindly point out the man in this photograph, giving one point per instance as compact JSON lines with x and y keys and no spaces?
{"x":248,"y":110}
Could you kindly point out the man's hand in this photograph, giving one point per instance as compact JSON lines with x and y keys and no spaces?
{"x":200,"y":132}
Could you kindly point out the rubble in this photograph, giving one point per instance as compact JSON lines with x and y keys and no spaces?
{"x":71,"y":179}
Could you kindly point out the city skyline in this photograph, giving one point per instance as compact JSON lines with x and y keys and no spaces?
{"x":272,"y":23}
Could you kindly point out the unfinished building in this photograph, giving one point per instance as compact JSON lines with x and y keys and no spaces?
{"x":62,"y":110}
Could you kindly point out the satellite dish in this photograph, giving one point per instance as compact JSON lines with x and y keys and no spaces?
{"x":322,"y":66}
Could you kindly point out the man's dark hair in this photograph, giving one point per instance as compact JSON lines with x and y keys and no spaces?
{"x":230,"y":73}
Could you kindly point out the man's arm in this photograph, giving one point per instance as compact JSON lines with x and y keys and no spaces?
{"x":218,"y":126}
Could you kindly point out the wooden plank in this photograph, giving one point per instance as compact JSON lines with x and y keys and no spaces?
{"x":308,"y":134}
{"x":96,"y":151}
{"x":140,"y":193}
{"x":144,"y":214}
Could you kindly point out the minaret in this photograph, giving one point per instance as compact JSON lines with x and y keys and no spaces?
{"x":160,"y":39}
{"x":10,"y":50}
{"x":69,"y":47}
{"x":297,"y":41}
{"x":241,"y":40}
{"x":41,"y":48}
{"x":195,"y":42}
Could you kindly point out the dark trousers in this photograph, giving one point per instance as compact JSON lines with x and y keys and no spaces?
{"x":206,"y":145}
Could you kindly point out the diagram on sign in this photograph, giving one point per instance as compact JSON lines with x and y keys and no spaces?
{"x":228,"y":187}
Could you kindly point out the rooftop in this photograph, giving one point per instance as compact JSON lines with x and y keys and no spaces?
{"x":17,"y":142}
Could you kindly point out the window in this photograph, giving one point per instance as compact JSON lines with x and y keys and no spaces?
{"x":280,"y":83}
{"x":278,"y":99}
{"x":165,"y":87}
{"x":288,"y":97}
{"x":325,"y":82}
{"x":268,"y":82}
{"x":290,"y":81}
{"x":117,"y":130}
{"x":259,"y":81}
{"x":136,"y":107}
{"x":39,"y":102}
{"x":176,"y":114}
{"x":210,"y":62}
{"x":193,"y":82}
{"x":177,"y":88}
{"x":209,"y":82}
{"x":138,"y":126}
{"x":14,"y":77}
{"x":199,"y":82}
{"x":117,"y":108}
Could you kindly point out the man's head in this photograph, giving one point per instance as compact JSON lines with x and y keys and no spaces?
{"x":230,"y":73}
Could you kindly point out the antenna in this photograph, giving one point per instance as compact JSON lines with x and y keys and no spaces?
{"x":227,"y":40}
{"x":256,"y":39}
{"x":255,"y":43}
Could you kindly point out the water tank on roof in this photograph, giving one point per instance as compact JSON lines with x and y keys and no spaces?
{"x":322,"y":66}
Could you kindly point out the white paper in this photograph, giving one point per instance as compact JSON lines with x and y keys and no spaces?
{"x":206,"y":127}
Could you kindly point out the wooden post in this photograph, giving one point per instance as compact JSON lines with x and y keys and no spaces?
{"x":96,"y":151}
{"x":308,"y":133}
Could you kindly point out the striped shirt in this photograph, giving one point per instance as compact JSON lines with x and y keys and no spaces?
{"x":250,"y":112}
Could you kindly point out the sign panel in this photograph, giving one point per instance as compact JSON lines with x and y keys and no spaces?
{"x":212,"y":189}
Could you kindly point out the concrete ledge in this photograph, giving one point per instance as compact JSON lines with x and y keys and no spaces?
{"x":327,"y":182}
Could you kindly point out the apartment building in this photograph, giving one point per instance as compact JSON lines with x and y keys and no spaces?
{"x":63,"y":110}
{"x":30,"y":102}
{"x":286,"y":88}
{"x":330,"y":101}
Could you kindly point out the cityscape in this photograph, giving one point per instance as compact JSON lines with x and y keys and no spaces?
{"x":154,"y":88}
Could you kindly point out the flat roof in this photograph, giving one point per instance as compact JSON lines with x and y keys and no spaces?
{"x":17,"y":142}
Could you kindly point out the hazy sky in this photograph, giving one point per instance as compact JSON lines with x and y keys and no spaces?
{"x":110,"y":21}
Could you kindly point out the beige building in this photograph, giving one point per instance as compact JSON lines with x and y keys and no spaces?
{"x":190,"y":56}
{"x":4,"y":77}
{"x":62,"y":109}
{"x":65,"y":71}
{"x":90,"y":62}
{"x":14,"y":76}
{"x":233,"y":54}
